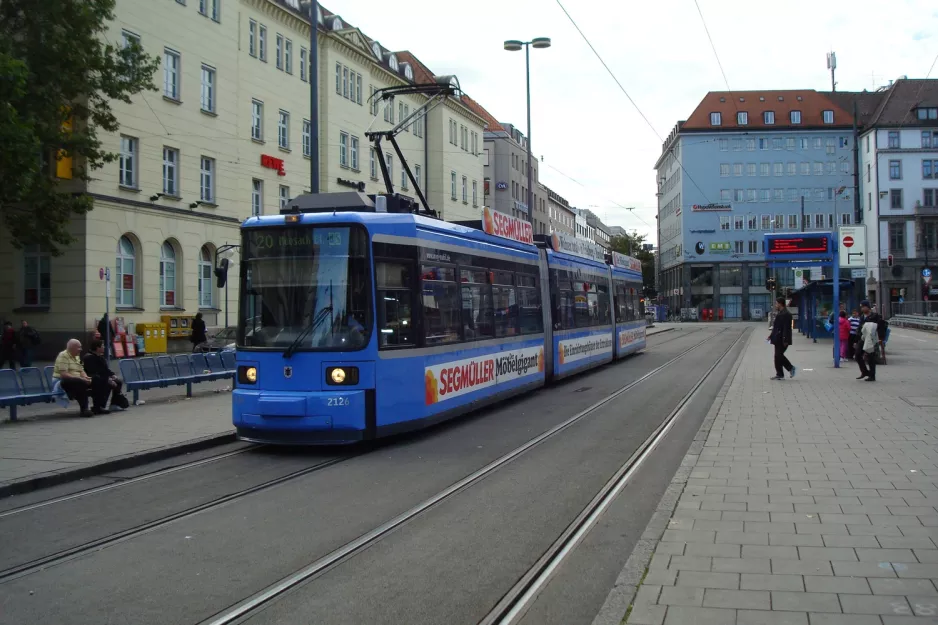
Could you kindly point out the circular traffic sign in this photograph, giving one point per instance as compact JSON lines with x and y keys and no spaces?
{"x":926,"y":273}
{"x":848,"y":241}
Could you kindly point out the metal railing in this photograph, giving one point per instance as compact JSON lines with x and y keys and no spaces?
{"x":917,"y":322}
{"x":921,"y":309}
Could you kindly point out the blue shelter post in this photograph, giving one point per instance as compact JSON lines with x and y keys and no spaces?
{"x":836,"y":305}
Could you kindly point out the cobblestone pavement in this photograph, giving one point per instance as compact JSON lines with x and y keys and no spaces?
{"x":812,"y":501}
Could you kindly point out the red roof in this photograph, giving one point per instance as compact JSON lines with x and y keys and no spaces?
{"x":491,"y":124}
{"x":422,"y":74}
{"x":809,"y":102}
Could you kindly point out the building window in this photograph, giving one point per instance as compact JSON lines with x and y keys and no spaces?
{"x":36,"y":277}
{"x":167,"y":275}
{"x":724,"y":222}
{"x":927,"y":113}
{"x":752,"y":222}
{"x":206,"y":287}
{"x":404,"y":180}
{"x":737,"y":169}
{"x":257,"y":120}
{"x":845,"y":218}
{"x":207,"y":178}
{"x":278,"y":51}
{"x":465,"y":193}
{"x":895,"y":199}
{"x":764,"y":195}
{"x":126,"y":272}
{"x":793,"y":222}
{"x":209,"y":8}
{"x":724,"y":169}
{"x":288,"y":56}
{"x":252,"y":37}
{"x":716,"y":119}
{"x":171,"y":62}
{"x":257,"y":197}
{"x":354,"y":146}
{"x":766,"y":222}
{"x":338,"y":78}
{"x":893,"y":140}
{"x":389,"y":161}
{"x":374,"y":165}
{"x":742,"y":118}
{"x":343,"y":149}
{"x":171,"y":172}
{"x":345,"y":82}
{"x":818,"y":168}
{"x":128,"y":162}
{"x":895,"y":170}
{"x":452,"y":185}
{"x":763,"y":169}
{"x":750,"y":169}
{"x":417,"y":175}
{"x":284,"y":196}
{"x":307,"y":138}
{"x":897,"y":237}
{"x":929,"y":169}
{"x":795,"y":117}
{"x":283,"y":130}
{"x":475,"y":193}
{"x":724,"y":195}
{"x":262,"y":43}
{"x":303,"y":64}
{"x":828,"y":117}
{"x":724,"y":144}
{"x":208,"y":89}
{"x":768,"y":117}
{"x":928,"y":197}
{"x":778,"y":169}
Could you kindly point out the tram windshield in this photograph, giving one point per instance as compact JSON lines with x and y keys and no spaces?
{"x":304,"y":288}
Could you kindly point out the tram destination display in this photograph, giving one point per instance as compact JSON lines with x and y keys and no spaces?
{"x":799,"y":245}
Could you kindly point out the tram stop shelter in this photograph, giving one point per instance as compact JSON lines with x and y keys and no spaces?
{"x":815,"y":303}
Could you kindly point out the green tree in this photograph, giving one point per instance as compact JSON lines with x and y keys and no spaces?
{"x":58,"y":76}
{"x":631,"y":245}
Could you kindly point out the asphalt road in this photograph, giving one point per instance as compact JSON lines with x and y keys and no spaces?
{"x":450,"y":565}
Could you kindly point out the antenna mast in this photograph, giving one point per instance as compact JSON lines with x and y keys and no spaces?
{"x":832,"y":65}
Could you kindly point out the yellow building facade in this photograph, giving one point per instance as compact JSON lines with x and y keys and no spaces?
{"x":226,"y":136}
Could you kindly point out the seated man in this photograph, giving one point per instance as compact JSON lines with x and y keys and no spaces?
{"x":71,"y":375}
{"x":104,"y":382}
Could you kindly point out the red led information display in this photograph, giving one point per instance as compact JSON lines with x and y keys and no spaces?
{"x":799,"y":245}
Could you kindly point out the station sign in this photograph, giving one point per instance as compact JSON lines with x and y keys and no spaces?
{"x":709,"y":208}
{"x":852,"y":246}
{"x":577,"y":247}
{"x":506,"y":226}
{"x":626,"y":262}
{"x":799,"y":245}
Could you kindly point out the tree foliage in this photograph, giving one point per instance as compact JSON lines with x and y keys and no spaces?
{"x":631,"y":245}
{"x":57,"y":66}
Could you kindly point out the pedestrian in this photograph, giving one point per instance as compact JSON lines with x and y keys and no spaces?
{"x":71,"y":375}
{"x":104,"y":382}
{"x":781,"y":339}
{"x":198,"y":335}
{"x":844,"y":331}
{"x":872,"y":331}
{"x":7,"y":345}
{"x":28,"y":340}
{"x":854,"y":328}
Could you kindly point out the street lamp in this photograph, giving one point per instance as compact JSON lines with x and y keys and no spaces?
{"x":513,"y":45}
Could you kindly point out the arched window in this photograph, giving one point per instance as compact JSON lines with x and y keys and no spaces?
{"x":392,"y":62}
{"x":206,"y":287}
{"x":167,"y":275}
{"x":126,"y":273}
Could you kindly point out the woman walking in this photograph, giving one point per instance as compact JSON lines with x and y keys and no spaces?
{"x":198,"y":335}
{"x":844,"y":329}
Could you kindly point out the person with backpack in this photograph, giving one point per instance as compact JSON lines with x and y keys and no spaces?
{"x":27,"y":339}
{"x":872,"y":333}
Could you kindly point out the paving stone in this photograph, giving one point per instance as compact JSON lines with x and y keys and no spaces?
{"x":849,"y":585}
{"x":648,"y":594}
{"x":690,"y":563}
{"x":728,"y":581}
{"x":801,"y":567}
{"x":875,"y":604}
{"x":821,"y":618}
{"x":796,"y":540}
{"x":837,"y":540}
{"x":916,"y":570}
{"x":762,"y":617}
{"x":737,"y":599}
{"x":714,"y":550}
{"x":845,"y":554}
{"x":681,"y":595}
{"x":759,"y":551}
{"x":863,"y":569}
{"x":700,"y":616}
{"x":758,"y":581}
{"x":743,"y":538}
{"x":741,"y":565}
{"x":673,"y":549}
{"x":915,"y":543}
{"x":775,"y":527}
{"x":805,"y":601}
{"x":926,"y":556}
{"x":647,"y":615}
{"x":661,"y":577}
{"x":752,"y":517}
{"x":886,"y":555}
{"x":688,"y":536}
{"x":887,"y":586}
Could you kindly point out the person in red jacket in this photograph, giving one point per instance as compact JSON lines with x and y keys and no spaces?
{"x":844,"y":329}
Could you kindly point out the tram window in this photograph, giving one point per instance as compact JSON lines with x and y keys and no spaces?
{"x":477,"y":309}
{"x":441,"y":304}
{"x":602,"y":296}
{"x":395,"y":305}
{"x":621,"y":302}
{"x":506,"y":311}
{"x":527,"y":280}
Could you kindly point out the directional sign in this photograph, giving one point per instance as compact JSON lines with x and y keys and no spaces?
{"x":857,"y":273}
{"x":852,"y":247}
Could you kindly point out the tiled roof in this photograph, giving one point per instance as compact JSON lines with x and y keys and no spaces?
{"x":867,"y":103}
{"x":422,"y":74}
{"x":902,"y":98}
{"x":491,"y":124}
{"x":811,"y":104}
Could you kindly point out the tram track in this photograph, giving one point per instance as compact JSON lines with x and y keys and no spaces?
{"x":255,"y":604}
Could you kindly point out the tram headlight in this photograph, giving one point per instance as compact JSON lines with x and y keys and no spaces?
{"x":341,"y":376}
{"x":247,"y":375}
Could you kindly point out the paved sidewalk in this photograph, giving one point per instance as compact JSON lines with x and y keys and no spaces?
{"x":812,"y":501}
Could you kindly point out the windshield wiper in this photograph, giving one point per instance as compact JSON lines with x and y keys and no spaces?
{"x":317,"y":320}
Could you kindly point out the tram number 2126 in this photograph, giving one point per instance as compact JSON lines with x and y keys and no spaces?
{"x":337,"y":401}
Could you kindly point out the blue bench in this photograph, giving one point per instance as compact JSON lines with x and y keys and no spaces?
{"x":26,"y":387}
{"x":181,"y":370}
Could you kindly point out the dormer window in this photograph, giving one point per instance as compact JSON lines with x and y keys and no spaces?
{"x":742,"y":118}
{"x":392,"y":62}
{"x":716,"y":119}
{"x":828,"y":117}
{"x":376,"y":49}
{"x":337,"y":23}
{"x":927,"y":113}
{"x":319,"y":15}
{"x":795,"y":117}
{"x":768,"y":117}
{"x":408,"y":72}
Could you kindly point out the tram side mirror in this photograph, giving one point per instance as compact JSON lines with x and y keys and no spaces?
{"x":221,"y":273}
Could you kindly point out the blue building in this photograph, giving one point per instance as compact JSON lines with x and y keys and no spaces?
{"x":738,"y":167}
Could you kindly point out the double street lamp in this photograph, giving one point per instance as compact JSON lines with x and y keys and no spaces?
{"x":513,"y":45}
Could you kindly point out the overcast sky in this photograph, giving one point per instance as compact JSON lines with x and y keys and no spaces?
{"x":597,"y":150}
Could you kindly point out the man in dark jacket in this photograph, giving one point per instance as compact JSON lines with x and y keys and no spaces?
{"x":863,"y":359}
{"x":781,"y":339}
{"x":104,"y":382}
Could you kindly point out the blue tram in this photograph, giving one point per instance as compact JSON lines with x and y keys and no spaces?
{"x":358,"y":319}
